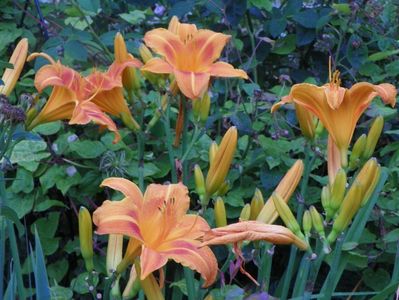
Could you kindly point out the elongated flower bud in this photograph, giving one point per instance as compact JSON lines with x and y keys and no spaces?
{"x":220,"y":213}
{"x":338,"y":190}
{"x":307,"y":222}
{"x":325,"y":201}
{"x":368,"y":177}
{"x":285,"y":188}
{"x":201,"y":108}
{"x":199,"y":180}
{"x":11,"y":76}
{"x":349,"y":207}
{"x":373,"y":136}
{"x":221,"y":164}
{"x":223,"y":189}
{"x":114,"y":252}
{"x":257,"y":203}
{"x":130,"y":78}
{"x":245,"y":213}
{"x":86,"y":238}
{"x":357,"y":151}
{"x":145,"y":53}
{"x":149,"y":285}
{"x":129,"y":121}
{"x":133,"y":285}
{"x":213,"y":149}
{"x":317,"y":221}
{"x":286,"y":215}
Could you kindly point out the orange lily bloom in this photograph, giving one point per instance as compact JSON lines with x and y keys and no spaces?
{"x":189,"y":54}
{"x":83,"y":99}
{"x":339,"y":108}
{"x":252,"y":231}
{"x":158,"y":221}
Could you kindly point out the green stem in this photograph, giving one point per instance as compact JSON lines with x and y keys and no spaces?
{"x":2,"y":232}
{"x":266,"y":260}
{"x":189,"y":277}
{"x":252,"y":41}
{"x":140,"y":142}
{"x":184,"y":147}
{"x":169,"y":144}
{"x":302,"y":274}
{"x":196,"y":135}
{"x":309,"y":160}
{"x":395,"y":272}
{"x":330,"y":281}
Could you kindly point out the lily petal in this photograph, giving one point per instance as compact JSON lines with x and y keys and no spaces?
{"x":117,"y":217}
{"x":158,"y":66}
{"x":165,"y":43}
{"x":116,"y":69}
{"x":191,"y":84}
{"x":333,"y":159}
{"x":126,"y":187}
{"x":112,"y":101}
{"x":184,"y":31}
{"x":222,"y":69}
{"x":59,"y":106}
{"x":190,"y":255}
{"x":151,"y":261}
{"x":87,"y":111}
{"x":206,"y":46}
{"x":367,"y":91}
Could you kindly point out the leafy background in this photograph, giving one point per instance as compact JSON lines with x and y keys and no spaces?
{"x":278,"y":43}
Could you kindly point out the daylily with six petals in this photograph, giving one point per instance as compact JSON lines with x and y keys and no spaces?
{"x":83,"y":99}
{"x":189,"y":54}
{"x":339,"y":108}
{"x":158,"y":221}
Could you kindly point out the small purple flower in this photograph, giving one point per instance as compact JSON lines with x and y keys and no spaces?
{"x":72,"y":138}
{"x":71,"y":170}
{"x":159,"y":10}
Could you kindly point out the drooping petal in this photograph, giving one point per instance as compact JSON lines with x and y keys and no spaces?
{"x":85,"y":112}
{"x":222,"y":69}
{"x":151,"y":261}
{"x":284,"y":100}
{"x":189,"y":254}
{"x":189,"y":226}
{"x":206,"y":47}
{"x":59,"y":106}
{"x":116,"y":69}
{"x":57,"y":75}
{"x":158,"y":66}
{"x":117,"y":217}
{"x":191,"y":84}
{"x":333,"y":159}
{"x":367,"y":91}
{"x":252,"y":231}
{"x":165,"y":43}
{"x":126,"y":187}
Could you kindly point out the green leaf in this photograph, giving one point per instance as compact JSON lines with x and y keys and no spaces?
{"x":76,"y":50}
{"x":60,"y":293}
{"x":48,"y":128}
{"x":58,"y":270}
{"x":40,"y":272}
{"x":343,"y":8}
{"x":285,"y":45}
{"x":28,"y":154}
{"x":88,"y":149}
{"x":21,"y":204}
{"x":79,"y":284}
{"x":11,"y":215}
{"x":262,"y":4}
{"x":47,"y":204}
{"x":134,"y":17}
{"x":377,"y":280}
{"x":392,"y":236}
{"x":382,"y":55}
{"x":307,"y":18}
{"x":23,"y":182}
{"x":90,"y":6}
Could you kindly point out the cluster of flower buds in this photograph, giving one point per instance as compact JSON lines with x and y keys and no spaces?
{"x":365,"y":145}
{"x":220,"y":158}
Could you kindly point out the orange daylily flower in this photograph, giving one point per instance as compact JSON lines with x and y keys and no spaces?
{"x":252,"y":231}
{"x":189,"y":54}
{"x":339,"y":108}
{"x":83,"y":99}
{"x":158,"y":221}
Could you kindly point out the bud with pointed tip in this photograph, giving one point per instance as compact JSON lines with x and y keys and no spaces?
{"x":368,"y":177}
{"x":145,"y":53}
{"x":17,"y":59}
{"x":221,"y":163}
{"x":373,"y":136}
{"x":285,"y":189}
{"x":286,"y":215}
{"x":130,"y":78}
{"x":86,"y":237}
{"x":317,"y":221}
{"x":307,"y":223}
{"x":245,"y":213}
{"x":213,"y":149}
{"x":220,"y":213}
{"x":199,"y":180}
{"x":338,"y":190}
{"x":325,"y":201}
{"x":257,"y":203}
{"x":201,"y":108}
{"x":133,"y":285}
{"x":357,"y":151}
{"x":349,"y":207}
